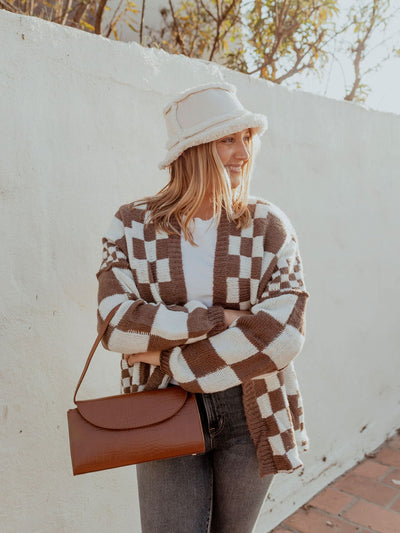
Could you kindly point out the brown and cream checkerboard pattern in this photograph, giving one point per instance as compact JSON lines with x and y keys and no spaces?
{"x":256,"y":268}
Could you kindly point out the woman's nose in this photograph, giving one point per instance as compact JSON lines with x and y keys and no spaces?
{"x":242,"y":151}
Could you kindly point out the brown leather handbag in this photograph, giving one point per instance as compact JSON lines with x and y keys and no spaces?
{"x":132,"y":428}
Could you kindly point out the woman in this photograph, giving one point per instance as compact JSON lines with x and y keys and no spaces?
{"x":211,"y":295}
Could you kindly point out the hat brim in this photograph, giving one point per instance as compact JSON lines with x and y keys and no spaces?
{"x":256,"y":122}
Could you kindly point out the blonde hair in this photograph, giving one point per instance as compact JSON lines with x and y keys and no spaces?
{"x":197,"y":173}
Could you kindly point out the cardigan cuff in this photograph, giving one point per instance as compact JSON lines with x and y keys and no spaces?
{"x":164,"y":361}
{"x":217,"y":317}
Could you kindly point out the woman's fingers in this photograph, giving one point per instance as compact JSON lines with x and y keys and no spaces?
{"x":151,"y":358}
{"x":130,"y":358}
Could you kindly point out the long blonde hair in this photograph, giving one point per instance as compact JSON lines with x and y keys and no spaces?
{"x":196,"y":173}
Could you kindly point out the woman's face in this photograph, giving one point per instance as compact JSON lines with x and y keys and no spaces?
{"x":234,"y":151}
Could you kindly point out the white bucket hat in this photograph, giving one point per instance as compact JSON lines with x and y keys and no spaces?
{"x":206,"y":113}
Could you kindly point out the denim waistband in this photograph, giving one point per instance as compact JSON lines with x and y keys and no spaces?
{"x":223,"y":417}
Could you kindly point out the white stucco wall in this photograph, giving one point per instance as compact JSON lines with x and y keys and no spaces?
{"x":81,"y":133}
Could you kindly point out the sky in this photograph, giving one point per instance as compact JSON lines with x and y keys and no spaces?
{"x":384,"y":83}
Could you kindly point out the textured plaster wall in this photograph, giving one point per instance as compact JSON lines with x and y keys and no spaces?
{"x":81,"y":133}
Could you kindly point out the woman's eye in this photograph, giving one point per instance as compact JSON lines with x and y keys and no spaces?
{"x":227,"y":140}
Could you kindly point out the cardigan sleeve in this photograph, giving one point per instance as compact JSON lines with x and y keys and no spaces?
{"x":261,"y":343}
{"x":138,"y":325}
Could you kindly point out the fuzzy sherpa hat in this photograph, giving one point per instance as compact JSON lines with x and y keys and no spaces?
{"x":206,"y":113}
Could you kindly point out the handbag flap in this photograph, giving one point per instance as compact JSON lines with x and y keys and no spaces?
{"x":134,"y":410}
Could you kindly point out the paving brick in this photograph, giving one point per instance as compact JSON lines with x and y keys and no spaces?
{"x":394,"y":474}
{"x":314,"y":521}
{"x":395,"y":442}
{"x":371,"y":469}
{"x":366,"y":488}
{"x":396,"y":505}
{"x":388,"y":456}
{"x":374,"y":517}
{"x":372,"y":481}
{"x":331,"y":501}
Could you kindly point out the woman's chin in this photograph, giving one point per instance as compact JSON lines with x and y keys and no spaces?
{"x":235,"y":181}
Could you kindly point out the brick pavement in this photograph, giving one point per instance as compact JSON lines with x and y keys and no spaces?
{"x":366,"y":499}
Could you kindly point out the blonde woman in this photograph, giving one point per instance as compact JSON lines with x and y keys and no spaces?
{"x":211,"y":296}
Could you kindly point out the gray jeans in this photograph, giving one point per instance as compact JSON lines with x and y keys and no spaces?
{"x":217,"y":492}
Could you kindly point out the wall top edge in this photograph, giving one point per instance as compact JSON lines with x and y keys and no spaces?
{"x":66,"y":48}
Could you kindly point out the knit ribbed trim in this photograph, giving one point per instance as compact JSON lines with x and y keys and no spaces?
{"x":164,"y":361}
{"x":258,"y":431}
{"x":176,"y":264}
{"x":221,"y":260}
{"x":269,"y":463}
{"x":216,"y":316}
{"x":155,"y":379}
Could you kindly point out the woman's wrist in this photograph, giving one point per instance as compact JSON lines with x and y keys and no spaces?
{"x":232,"y":314}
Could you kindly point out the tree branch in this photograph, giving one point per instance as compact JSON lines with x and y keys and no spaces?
{"x":208,"y":11}
{"x":64,"y":16}
{"x":79,"y":13}
{"x":178,"y":38}
{"x":99,"y":16}
{"x":9,"y":7}
{"x":359,"y":52}
{"x":220,"y":21}
{"x":141,"y":22}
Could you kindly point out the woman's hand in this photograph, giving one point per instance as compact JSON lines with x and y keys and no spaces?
{"x":232,"y":314}
{"x":151,"y":358}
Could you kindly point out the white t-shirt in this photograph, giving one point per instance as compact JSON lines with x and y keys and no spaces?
{"x":198,"y":261}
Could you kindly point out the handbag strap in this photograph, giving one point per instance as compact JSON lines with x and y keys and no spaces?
{"x":94,"y":348}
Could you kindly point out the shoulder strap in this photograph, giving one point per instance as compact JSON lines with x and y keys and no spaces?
{"x":94,"y":348}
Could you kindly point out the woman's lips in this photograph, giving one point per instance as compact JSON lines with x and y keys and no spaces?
{"x":234,"y":168}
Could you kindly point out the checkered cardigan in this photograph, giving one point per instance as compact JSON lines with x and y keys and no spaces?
{"x":257,"y":268}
